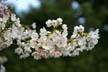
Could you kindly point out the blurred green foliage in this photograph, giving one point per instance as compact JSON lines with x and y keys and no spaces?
{"x":96,"y":14}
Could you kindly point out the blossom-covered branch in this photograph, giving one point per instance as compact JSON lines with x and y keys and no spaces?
{"x":44,"y":44}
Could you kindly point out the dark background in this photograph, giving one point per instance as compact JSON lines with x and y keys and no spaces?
{"x":95,"y":13}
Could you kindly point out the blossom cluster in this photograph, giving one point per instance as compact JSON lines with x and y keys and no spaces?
{"x":45,"y":43}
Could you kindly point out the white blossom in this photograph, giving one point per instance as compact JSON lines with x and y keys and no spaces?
{"x":56,"y":54}
{"x":54,"y":23}
{"x":64,"y":26}
{"x":43,"y":32}
{"x":13,"y":17}
{"x":65,"y":32}
{"x":17,"y":22}
{"x":24,"y":55}
{"x":49,"y":23}
{"x":34,"y":25}
{"x":19,"y":51}
{"x":36,"y":55}
{"x":34,"y":35}
{"x":59,"y":20}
